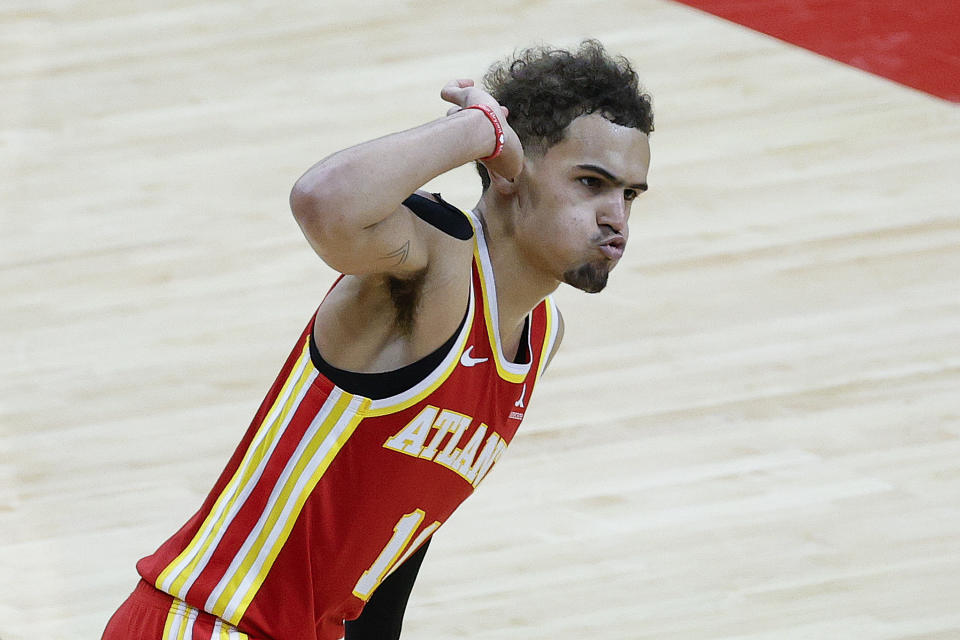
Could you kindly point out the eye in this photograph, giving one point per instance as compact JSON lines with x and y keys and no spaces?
{"x":629,"y":194}
{"x":590,"y":182}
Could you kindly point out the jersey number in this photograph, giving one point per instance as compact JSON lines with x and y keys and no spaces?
{"x":398,"y":549}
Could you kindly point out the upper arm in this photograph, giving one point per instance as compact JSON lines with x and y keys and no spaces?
{"x":396,"y":244}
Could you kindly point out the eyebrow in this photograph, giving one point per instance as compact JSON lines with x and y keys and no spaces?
{"x":642,"y":186}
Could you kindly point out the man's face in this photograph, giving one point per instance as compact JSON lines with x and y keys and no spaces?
{"x":575,"y":200}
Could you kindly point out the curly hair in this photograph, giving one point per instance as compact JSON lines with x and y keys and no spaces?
{"x":546,"y":89}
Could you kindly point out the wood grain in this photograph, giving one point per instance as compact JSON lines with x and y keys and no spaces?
{"x":754,"y":433}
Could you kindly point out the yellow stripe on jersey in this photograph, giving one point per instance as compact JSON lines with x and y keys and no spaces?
{"x":186,"y":624}
{"x":412,"y":400}
{"x":329,"y":431}
{"x":489,"y":297}
{"x":172,"y":620}
{"x":493,"y":330}
{"x":223,"y":631}
{"x":342,"y":429}
{"x":180,"y":619}
{"x":179,"y":575}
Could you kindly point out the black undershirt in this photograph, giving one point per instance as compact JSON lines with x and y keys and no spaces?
{"x":377,"y":386}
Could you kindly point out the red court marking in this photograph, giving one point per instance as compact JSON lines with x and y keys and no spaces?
{"x":913,"y":42}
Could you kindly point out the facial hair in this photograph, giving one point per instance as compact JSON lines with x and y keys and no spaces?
{"x":590,"y":276}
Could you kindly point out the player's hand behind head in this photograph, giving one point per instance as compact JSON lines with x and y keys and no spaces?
{"x":462,"y":93}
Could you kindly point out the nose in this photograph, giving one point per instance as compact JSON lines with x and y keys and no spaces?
{"x":614,"y":213}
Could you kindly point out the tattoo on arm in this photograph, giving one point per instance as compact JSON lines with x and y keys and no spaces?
{"x":400,"y":254}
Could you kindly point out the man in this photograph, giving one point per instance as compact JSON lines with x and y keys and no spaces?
{"x":415,"y":372}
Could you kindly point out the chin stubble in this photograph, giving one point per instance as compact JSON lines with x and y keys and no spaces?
{"x":590,"y":277}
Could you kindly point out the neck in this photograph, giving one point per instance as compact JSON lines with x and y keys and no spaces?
{"x":520,"y":285}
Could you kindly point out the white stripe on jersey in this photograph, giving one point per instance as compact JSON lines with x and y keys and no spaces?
{"x":236,"y":494}
{"x":231,"y":611}
{"x":550,"y":341}
{"x":493,"y":328}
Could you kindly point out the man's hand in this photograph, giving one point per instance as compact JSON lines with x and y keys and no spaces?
{"x":463,"y":94}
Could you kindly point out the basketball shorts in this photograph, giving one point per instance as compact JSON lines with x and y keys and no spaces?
{"x":150,"y":614}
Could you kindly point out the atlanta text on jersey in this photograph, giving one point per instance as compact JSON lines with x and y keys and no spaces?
{"x":470,"y":462}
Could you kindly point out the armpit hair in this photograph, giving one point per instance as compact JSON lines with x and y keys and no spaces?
{"x":405,"y":295}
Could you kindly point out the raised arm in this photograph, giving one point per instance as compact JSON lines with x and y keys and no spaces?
{"x":349,"y":204}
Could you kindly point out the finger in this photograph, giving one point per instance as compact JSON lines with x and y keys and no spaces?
{"x":453,"y":110}
{"x":459,"y":83}
{"x":453,"y":92}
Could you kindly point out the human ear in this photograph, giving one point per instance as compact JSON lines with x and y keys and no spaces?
{"x":503,"y":186}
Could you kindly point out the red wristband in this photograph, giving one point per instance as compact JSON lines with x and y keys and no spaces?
{"x":497,"y":128}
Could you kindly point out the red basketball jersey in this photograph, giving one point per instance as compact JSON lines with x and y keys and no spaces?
{"x":329,"y":491}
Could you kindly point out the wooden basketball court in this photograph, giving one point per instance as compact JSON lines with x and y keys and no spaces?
{"x":754,"y":433}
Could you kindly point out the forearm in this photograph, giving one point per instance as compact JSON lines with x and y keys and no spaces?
{"x":362,"y":185}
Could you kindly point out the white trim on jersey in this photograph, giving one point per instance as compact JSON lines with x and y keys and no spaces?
{"x":550,"y":341}
{"x":486,"y":268}
{"x":235,"y":495}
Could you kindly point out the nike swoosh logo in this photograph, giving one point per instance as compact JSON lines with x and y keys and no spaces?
{"x":469,"y":361}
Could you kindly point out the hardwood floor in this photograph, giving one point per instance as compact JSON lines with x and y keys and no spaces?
{"x":754,"y":433}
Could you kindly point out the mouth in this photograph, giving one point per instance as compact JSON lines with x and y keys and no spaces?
{"x":612,"y":248}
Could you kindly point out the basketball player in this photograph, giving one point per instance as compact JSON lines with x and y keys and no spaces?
{"x":412,"y":377}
